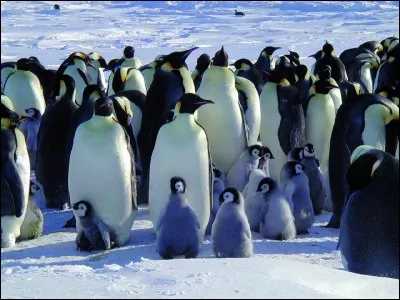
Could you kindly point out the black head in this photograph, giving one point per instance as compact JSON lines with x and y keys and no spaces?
{"x":220,"y":58}
{"x":129,"y":52}
{"x":177,"y":59}
{"x":325,"y":72}
{"x":190,"y":102}
{"x":97,"y":57}
{"x":294,"y":57}
{"x":301,"y":71}
{"x":243,"y":62}
{"x":177,"y":185}
{"x":295,"y":168}
{"x":56,"y":6}
{"x":267,"y":153}
{"x":112,"y":64}
{"x":266,"y":185}
{"x":308,"y":150}
{"x":78,"y":55}
{"x":82,"y":208}
{"x":68,"y":82}
{"x":24,"y":64}
{"x":217,"y":173}
{"x":203,"y":62}
{"x":327,"y":48}
{"x":33,"y":113}
{"x":230,"y":195}
{"x":255,"y":151}
{"x":275,"y":76}
{"x":91,"y":91}
{"x":103,"y":106}
{"x":36,"y":63}
{"x":33,"y":188}
{"x":317,"y":55}
{"x":270,"y":50}
{"x":323,"y":87}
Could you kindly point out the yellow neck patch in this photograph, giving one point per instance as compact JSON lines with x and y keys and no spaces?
{"x":5,"y":122}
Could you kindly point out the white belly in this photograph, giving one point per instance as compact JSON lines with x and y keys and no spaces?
{"x":374,"y":133}
{"x":319,"y":124}
{"x":222,"y":120}
{"x":148,"y":75}
{"x":99,"y":172}
{"x":135,"y":81}
{"x":25,"y":91}
{"x":184,"y":154}
{"x":336,"y":97}
{"x":80,"y":84}
{"x":11,"y":225}
{"x":366,"y":77}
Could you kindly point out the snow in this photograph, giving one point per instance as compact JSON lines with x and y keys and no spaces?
{"x":306,"y":267}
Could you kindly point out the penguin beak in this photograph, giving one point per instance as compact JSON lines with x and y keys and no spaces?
{"x":202,"y":102}
{"x":186,"y":53}
{"x":75,"y":206}
{"x":106,"y":102}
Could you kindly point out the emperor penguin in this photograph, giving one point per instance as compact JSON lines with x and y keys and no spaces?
{"x":148,"y":70}
{"x":75,"y":66}
{"x":282,"y":122}
{"x":387,"y":43}
{"x":254,"y":179}
{"x":30,"y":128}
{"x":51,"y":168}
{"x":317,"y":55}
{"x":373,"y":46}
{"x":94,"y":234}
{"x":182,"y":140}
{"x":264,"y":161}
{"x":348,"y":55}
{"x":32,"y":227}
{"x":320,"y":118}
{"x":224,"y":121}
{"x":360,"y":121}
{"x":238,"y":175}
{"x":203,"y":62}
{"x":102,"y":172}
{"x":388,"y":71}
{"x":360,"y":71}
{"x":45,"y":76}
{"x":128,"y":59}
{"x":171,"y":81}
{"x":303,"y":83}
{"x":15,"y":173}
{"x":276,"y":217}
{"x":178,"y":229}
{"x":218,"y":188}
{"x":218,"y":172}
{"x":369,"y":228}
{"x":266,"y":60}
{"x":230,"y":233}
{"x":295,"y":186}
{"x":123,"y":79}
{"x":250,"y":102}
{"x":96,"y":64}
{"x":246,"y":69}
{"x":329,"y":58}
{"x":24,"y":89}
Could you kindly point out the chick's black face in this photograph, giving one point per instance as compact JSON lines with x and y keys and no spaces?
{"x":266,"y":185}
{"x":82,"y":208}
{"x":230,"y":195}
{"x":177,"y":185}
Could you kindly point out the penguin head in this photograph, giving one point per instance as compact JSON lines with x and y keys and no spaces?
{"x":35,"y":61}
{"x":189,"y":103}
{"x":266,"y":185}
{"x":230,"y":195}
{"x":66,"y":85}
{"x":325,"y":72}
{"x":33,"y":113}
{"x":269,"y":50}
{"x":24,"y":64}
{"x":328,"y":49}
{"x":220,"y":58}
{"x":9,"y":118}
{"x":275,"y":76}
{"x":82,"y":208}
{"x":255,"y":151}
{"x":294,"y":58}
{"x":349,"y":89}
{"x":176,"y":60}
{"x":33,"y":188}
{"x":319,"y":54}
{"x":389,"y":92}
{"x":177,"y":185}
{"x":323,"y":87}
{"x":267,"y":154}
{"x":296,"y":154}
{"x":295,"y":168}
{"x":217,"y":173}
{"x":95,"y":57}
{"x":301,"y":71}
{"x":308,"y":150}
{"x":91,"y":92}
{"x":129,"y":52}
{"x":112,"y":64}
{"x":103,"y":106}
{"x":203,"y":62}
{"x":243,"y":64}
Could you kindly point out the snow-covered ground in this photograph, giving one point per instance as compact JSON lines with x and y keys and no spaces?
{"x":307,"y":267}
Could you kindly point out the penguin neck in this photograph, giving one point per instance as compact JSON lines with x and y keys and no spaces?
{"x":177,"y":200}
{"x":99,"y":121}
{"x":186,"y":119}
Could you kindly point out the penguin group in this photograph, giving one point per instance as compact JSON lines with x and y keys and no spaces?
{"x":227,"y":150}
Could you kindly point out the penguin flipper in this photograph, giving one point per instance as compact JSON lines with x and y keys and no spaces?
{"x":7,"y":200}
{"x":133,"y":173}
{"x":244,"y":123}
{"x":105,"y":234}
{"x":263,"y":212}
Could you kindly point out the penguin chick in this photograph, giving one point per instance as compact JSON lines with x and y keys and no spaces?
{"x":295,"y":186}
{"x":252,"y":206}
{"x":276,"y":218}
{"x":264,"y":161}
{"x":218,"y":187}
{"x":238,"y":175}
{"x":178,"y":229}
{"x":230,"y":233}
{"x":93,"y":229}
{"x":254,"y":179}
{"x":217,"y":171}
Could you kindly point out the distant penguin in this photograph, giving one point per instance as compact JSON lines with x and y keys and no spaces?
{"x":15,"y":173}
{"x":369,"y":228}
{"x":224,"y":121}
{"x":239,"y":13}
{"x":129,"y":60}
{"x":148,"y":70}
{"x":94,"y":234}
{"x":75,"y":66}
{"x":178,"y":229}
{"x":254,"y":179}
{"x":51,"y":168}
{"x":276,"y":217}
{"x":266,"y":60}
{"x":295,"y":186}
{"x":186,"y":144}
{"x":325,"y":74}
{"x":264,"y":161}
{"x":329,"y":58}
{"x":238,"y":175}
{"x":245,"y":68}
{"x":203,"y":62}
{"x":320,"y":118}
{"x":230,"y":234}
{"x":24,"y":89}
{"x":218,"y":188}
{"x":250,"y":102}
{"x":30,"y":128}
{"x":32,"y":227}
{"x":359,"y":121}
{"x":102,"y":167}
{"x":124,"y":79}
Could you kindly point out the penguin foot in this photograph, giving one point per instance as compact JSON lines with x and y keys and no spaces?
{"x":71,"y":223}
{"x":334,"y":222}
{"x":191,"y":253}
{"x":84,"y":244}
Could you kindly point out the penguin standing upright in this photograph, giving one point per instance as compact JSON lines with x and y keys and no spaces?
{"x":264,"y":161}
{"x":203,"y":62}
{"x":149,"y":70}
{"x":51,"y":168}
{"x":45,"y":76}
{"x":171,"y":81}
{"x":218,"y":188}
{"x":246,"y":69}
{"x":102,"y":172}
{"x":317,"y":55}
{"x":254,"y":179}
{"x":30,"y":128}
{"x":266,"y":60}
{"x":24,"y":89}
{"x":325,"y":74}
{"x":360,"y":71}
{"x":186,"y":144}
{"x":369,"y":228}
{"x":124,"y":79}
{"x":15,"y":172}
{"x":223,"y":121}
{"x":303,"y":83}
{"x":128,"y":59}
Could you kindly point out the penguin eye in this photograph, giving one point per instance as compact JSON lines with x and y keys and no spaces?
{"x":267,"y":155}
{"x":179,"y":186}
{"x":255,"y":152}
{"x":298,"y":169}
{"x":265,"y":187}
{"x":228,"y":197}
